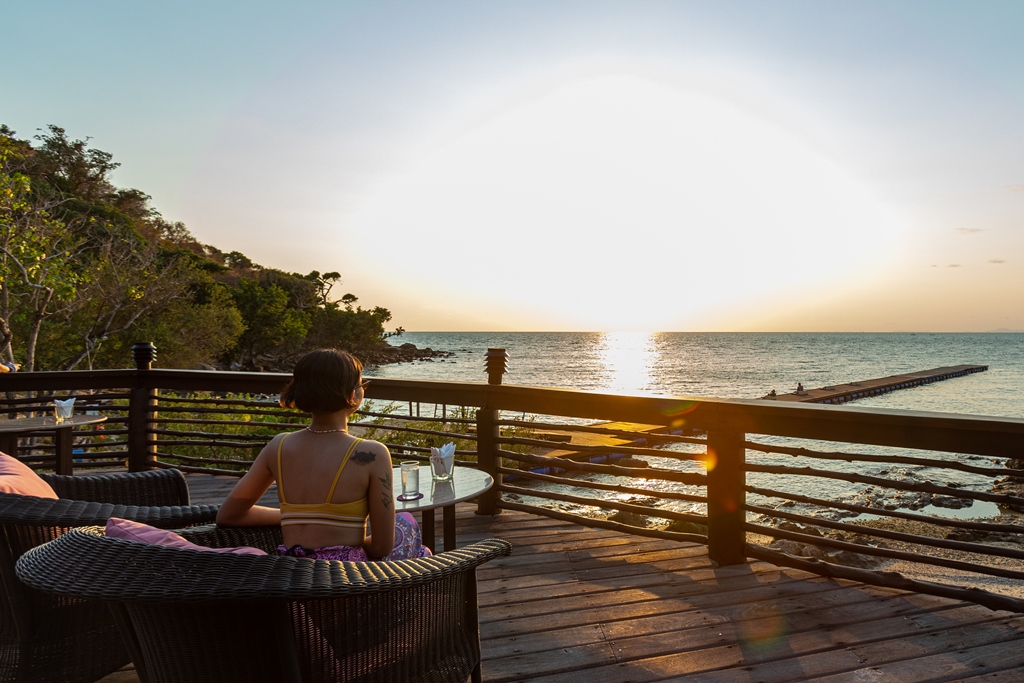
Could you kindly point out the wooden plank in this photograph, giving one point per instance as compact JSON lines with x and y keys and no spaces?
{"x":778,"y":637}
{"x":565,"y":584}
{"x":682,"y":596}
{"x":610,"y":570}
{"x":501,"y":620}
{"x":554,"y":540}
{"x":672,"y":632}
{"x":1015,"y":675}
{"x":640,"y":574}
{"x":968,"y":655}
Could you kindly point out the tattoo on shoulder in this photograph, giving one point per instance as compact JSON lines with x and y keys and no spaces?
{"x":363,"y":457}
{"x":386,"y":500}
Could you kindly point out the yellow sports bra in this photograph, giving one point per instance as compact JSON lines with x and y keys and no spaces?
{"x":349,"y":515}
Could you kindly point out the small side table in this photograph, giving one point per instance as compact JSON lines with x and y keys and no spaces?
{"x":466,"y":484}
{"x":10,"y":430}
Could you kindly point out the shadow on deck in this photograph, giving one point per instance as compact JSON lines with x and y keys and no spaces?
{"x":589,"y":605}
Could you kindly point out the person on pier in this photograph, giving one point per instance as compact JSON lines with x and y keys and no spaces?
{"x":328,"y":481}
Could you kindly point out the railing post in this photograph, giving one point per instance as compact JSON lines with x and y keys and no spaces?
{"x":141,"y":409}
{"x":726,"y":497}
{"x":486,"y":433}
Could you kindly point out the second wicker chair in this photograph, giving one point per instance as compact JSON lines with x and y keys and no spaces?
{"x":50,"y":639}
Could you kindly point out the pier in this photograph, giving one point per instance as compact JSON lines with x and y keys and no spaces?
{"x":851,"y":391}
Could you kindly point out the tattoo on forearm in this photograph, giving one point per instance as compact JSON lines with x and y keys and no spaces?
{"x":364,"y":457}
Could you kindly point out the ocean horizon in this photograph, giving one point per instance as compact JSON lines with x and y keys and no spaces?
{"x":737,"y":364}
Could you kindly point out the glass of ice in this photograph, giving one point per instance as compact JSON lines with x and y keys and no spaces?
{"x":410,"y":479}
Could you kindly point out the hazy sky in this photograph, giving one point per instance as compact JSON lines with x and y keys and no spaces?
{"x":560,"y":165}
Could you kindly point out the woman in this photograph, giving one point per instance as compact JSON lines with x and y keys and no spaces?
{"x":328,"y":481}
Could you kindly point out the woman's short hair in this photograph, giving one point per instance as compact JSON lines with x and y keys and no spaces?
{"x":323,"y":382}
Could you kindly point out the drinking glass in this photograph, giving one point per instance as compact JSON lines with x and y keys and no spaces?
{"x":441,"y":468}
{"x":410,"y":478}
{"x":63,"y":410}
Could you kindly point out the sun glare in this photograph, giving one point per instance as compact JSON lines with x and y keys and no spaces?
{"x":621,"y":203}
{"x":628,"y":358}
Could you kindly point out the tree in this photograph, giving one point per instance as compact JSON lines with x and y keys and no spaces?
{"x":191,"y":332}
{"x":128,"y":280}
{"x":39,"y":257}
{"x":272,"y":330}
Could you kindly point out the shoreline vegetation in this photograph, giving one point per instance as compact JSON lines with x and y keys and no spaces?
{"x":88,"y":268}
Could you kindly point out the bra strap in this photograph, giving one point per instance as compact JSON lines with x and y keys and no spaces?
{"x":280,"y":471}
{"x":348,"y":454}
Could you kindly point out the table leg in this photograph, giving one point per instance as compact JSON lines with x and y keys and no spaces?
{"x":9,"y":444}
{"x":427,"y":531}
{"x":448,"y":512}
{"x":62,"y":441}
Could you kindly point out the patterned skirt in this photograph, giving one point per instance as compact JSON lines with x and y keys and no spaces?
{"x":408,"y":544}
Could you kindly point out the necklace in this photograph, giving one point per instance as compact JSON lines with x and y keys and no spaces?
{"x":326,"y":431}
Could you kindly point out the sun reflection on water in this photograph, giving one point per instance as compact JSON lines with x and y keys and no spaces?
{"x":628,"y":359}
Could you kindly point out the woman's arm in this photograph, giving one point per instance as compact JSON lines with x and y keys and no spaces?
{"x":239,"y":508}
{"x":381,"y":502}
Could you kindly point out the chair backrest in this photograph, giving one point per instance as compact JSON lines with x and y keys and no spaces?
{"x":152,"y":487}
{"x":199,"y":616}
{"x":155,"y":497}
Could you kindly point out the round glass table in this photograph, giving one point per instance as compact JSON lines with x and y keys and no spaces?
{"x":466,"y":484}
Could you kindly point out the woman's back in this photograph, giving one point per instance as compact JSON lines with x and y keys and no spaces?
{"x":323,"y":484}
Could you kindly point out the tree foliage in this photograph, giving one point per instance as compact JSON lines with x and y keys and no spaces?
{"x":87,"y":268}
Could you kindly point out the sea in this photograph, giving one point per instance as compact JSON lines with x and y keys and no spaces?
{"x":749,"y":365}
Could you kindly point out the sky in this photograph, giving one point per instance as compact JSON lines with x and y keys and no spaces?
{"x":559,"y":165}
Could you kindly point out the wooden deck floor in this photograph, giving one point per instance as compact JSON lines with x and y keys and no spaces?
{"x":573,"y":604}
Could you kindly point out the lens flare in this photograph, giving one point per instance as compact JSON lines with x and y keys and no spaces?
{"x":763,"y":634}
{"x":710,"y":460}
{"x":677,"y":410}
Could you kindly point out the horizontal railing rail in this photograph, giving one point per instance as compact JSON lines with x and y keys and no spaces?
{"x":677,"y":468}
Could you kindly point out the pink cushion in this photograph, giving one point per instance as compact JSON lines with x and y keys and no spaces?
{"x":17,"y":477}
{"x":127,"y":530}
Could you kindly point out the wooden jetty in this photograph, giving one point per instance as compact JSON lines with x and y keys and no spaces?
{"x":573,"y":604}
{"x":842,"y":393}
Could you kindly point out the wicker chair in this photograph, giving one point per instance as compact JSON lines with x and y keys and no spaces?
{"x":194,"y":616}
{"x":48,"y":638}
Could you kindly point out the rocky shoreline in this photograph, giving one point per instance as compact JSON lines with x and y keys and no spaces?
{"x":386,"y":354}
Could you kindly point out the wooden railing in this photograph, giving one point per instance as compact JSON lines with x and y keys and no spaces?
{"x":695,"y":472}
